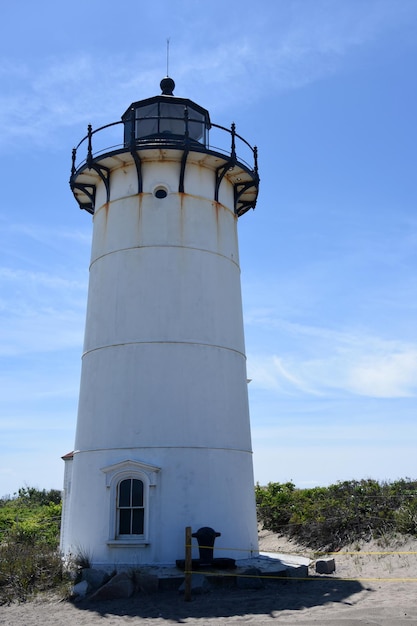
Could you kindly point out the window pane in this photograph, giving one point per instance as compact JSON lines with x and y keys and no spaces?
{"x":137,"y":493}
{"x":170,"y":126}
{"x":145,"y":127}
{"x":137,"y":525}
{"x":196,"y":125}
{"x":124,"y":492}
{"x":124,"y":519}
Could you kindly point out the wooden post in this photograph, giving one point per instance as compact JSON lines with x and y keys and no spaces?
{"x":188,"y":564}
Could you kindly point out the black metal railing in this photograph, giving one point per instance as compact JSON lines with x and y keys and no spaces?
{"x":98,"y":142}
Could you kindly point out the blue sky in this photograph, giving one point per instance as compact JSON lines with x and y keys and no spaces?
{"x":328,"y":92}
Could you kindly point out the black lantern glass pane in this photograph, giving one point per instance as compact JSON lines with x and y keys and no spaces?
{"x":124,"y":521}
{"x":137,"y":493}
{"x":124,"y":492}
{"x":147,"y":120}
{"x":196,"y":125}
{"x":172,"y":120}
{"x":137,"y":523}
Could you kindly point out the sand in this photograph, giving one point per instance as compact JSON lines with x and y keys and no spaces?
{"x":375,"y":585}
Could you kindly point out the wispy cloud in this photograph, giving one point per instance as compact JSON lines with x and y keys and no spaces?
{"x":43,"y":330}
{"x":308,"y":42}
{"x":40,"y":313}
{"x":338,"y":362}
{"x":277,"y":374}
{"x":40,"y":278}
{"x":42,"y":302}
{"x":389,"y":373}
{"x":47,"y":235}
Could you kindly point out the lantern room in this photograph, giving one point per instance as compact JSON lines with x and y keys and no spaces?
{"x":166,"y":117}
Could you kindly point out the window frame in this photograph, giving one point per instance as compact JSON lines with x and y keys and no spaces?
{"x":115,"y":474}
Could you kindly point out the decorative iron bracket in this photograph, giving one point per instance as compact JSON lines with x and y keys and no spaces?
{"x":136,"y":157}
{"x":185,"y":153}
{"x":220,"y":174}
{"x":138,"y":165}
{"x":104,"y":173}
{"x":182,"y":170}
{"x":90,"y":192}
{"x":239,"y":190}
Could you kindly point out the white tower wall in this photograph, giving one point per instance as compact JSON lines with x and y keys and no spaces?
{"x":163,"y":394}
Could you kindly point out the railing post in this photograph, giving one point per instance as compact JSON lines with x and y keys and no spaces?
{"x":74,"y":155}
{"x":186,"y":117}
{"x":255,"y":158}
{"x":233,"y":152}
{"x":133,"y":131}
{"x":90,"y":148}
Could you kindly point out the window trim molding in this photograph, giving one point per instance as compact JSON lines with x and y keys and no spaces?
{"x":114,"y":474}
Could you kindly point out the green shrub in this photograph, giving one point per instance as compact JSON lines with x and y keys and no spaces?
{"x":29,"y":537}
{"x":330,"y":517}
{"x":32,"y":515}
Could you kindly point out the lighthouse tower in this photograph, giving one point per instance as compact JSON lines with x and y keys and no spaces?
{"x":163,"y":435}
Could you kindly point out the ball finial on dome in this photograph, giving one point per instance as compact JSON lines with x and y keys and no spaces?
{"x":167,"y":85}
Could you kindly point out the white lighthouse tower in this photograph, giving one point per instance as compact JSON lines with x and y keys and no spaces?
{"x":163,"y":435}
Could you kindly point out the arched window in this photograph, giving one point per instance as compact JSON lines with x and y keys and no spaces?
{"x":130,"y":486}
{"x":130,"y":507}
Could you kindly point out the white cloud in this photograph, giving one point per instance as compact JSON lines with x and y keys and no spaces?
{"x":277,"y":374}
{"x":31,"y":319}
{"x":386,"y":374}
{"x":344,"y":362}
{"x":40,"y":331}
{"x":25,"y":277}
{"x":43,"y":300}
{"x":288,"y":47}
{"x":49,"y":236}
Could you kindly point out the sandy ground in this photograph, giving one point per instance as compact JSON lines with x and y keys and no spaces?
{"x":376,"y":585}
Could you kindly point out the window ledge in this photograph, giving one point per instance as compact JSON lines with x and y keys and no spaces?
{"x":127,"y":543}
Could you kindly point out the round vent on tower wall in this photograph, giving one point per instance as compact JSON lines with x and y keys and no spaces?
{"x":160,"y":192}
